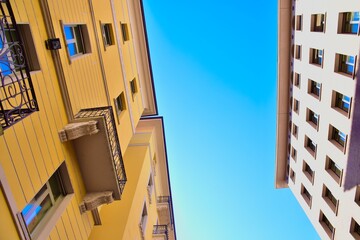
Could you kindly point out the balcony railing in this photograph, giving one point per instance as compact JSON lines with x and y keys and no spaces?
{"x":161,"y":230}
{"x":168,"y":201}
{"x":17,"y":96}
{"x":113,"y":141}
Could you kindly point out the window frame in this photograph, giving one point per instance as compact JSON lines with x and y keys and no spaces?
{"x":317,"y":57}
{"x":314,"y":21}
{"x":338,"y":138}
{"x":124,"y":32}
{"x":49,"y":219}
{"x":306,"y":195}
{"x":313,"y":119}
{"x":345,"y":21}
{"x":342,"y":63}
{"x":107,"y":34}
{"x":311,"y":146}
{"x":83,"y":38}
{"x":334,"y":170}
{"x":330,"y":199}
{"x":327,"y":225}
{"x":308,"y":172}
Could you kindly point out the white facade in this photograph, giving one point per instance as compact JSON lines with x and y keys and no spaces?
{"x":311,"y":42}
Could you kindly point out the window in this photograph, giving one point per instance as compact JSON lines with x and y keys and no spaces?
{"x":334,"y":170}
{"x":48,"y":204}
{"x":107,"y":33}
{"x":345,"y":64}
{"x":355,"y":229}
{"x":357,"y":195}
{"x":306,"y":195}
{"x":315,"y":89}
{"x":125,"y":32}
{"x":295,"y":130}
{"x":150,"y":187}
{"x":292,"y":175}
{"x":337,"y":137}
{"x":313,"y":119}
{"x":133,"y":87}
{"x":120,"y":103}
{"x":330,"y":199}
{"x":298,"y":22}
{"x":296,"y":106}
{"x":342,"y":102}
{"x":348,"y":22}
{"x":143,"y":220}
{"x":316,"y":56}
{"x":24,"y":32}
{"x":328,"y":227}
{"x":298,"y":52}
{"x":318,"y":22}
{"x":309,"y":173}
{"x":77,"y":39}
{"x":293,"y":153}
{"x":310,"y":145}
{"x":297,"y":79}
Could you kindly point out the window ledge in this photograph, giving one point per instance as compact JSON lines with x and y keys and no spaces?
{"x":316,"y":127}
{"x":46,"y":229}
{"x":311,"y":178}
{"x":345,"y":74}
{"x":339,"y":110}
{"x":331,"y":205}
{"x":336,"y":144}
{"x":315,"y":96}
{"x":312,"y":153}
{"x":334,"y":176}
{"x":78,"y":56}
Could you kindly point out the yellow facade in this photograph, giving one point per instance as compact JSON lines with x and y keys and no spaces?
{"x":83,"y":153}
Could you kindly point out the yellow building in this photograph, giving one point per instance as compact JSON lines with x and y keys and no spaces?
{"x":82,"y":148}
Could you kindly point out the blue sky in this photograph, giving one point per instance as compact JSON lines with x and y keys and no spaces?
{"x":214,"y":68}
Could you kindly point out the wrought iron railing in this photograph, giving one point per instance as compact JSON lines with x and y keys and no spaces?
{"x":167,"y":200}
{"x":107,"y":114}
{"x":161,"y":229}
{"x":17,"y":96}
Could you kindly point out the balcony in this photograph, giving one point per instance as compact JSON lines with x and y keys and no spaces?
{"x":94,"y":137}
{"x":17,"y":96}
{"x":165,"y":210}
{"x":160,"y":232}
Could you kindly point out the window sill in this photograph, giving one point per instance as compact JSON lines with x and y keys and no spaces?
{"x":54,"y":216}
{"x":316,"y":65}
{"x":315,"y":96}
{"x":312,"y":153}
{"x":331,"y":205}
{"x":316,"y":127}
{"x":307,"y":200}
{"x":339,"y":110}
{"x":346,"y":74}
{"x":334,"y":176}
{"x":338,"y":145}
{"x":78,"y":56}
{"x":311,"y":178}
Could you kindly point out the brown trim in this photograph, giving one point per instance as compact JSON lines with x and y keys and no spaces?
{"x":57,"y":60}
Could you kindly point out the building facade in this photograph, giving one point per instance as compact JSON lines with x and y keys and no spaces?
{"x":83,"y":151}
{"x":317,"y":154}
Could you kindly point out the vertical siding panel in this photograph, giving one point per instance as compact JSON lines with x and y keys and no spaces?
{"x":42,"y":128}
{"x":73,"y":221}
{"x":11,"y":174}
{"x":18,"y":161}
{"x":32,"y":135}
{"x":28,"y":156}
{"x":54,"y":234}
{"x":67,"y":226}
{"x":80,"y":223}
{"x":61,"y":230}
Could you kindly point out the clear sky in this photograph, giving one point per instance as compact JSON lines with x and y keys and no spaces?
{"x":214,"y":67}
